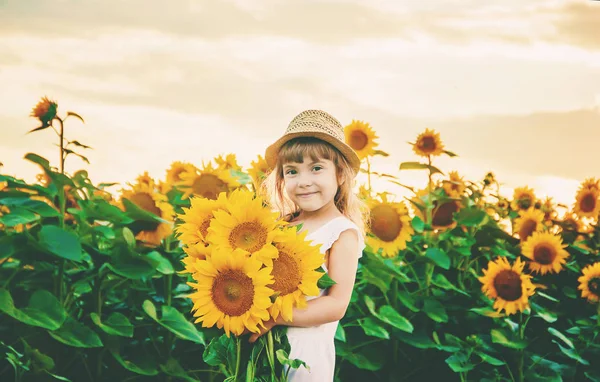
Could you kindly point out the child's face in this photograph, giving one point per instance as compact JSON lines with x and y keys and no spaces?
{"x":311,"y":185}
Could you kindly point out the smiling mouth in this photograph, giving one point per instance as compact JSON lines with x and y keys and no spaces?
{"x":305,"y":195}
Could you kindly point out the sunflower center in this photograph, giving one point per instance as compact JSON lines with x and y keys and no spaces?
{"x":524,"y":202}
{"x":145,"y":202}
{"x":442,"y":217}
{"x":594,"y":286}
{"x":527,"y":228}
{"x":588,"y":203}
{"x":427,"y":144}
{"x":286,"y":273}
{"x":508,"y":285}
{"x":543,"y":254}
{"x":385,"y":223}
{"x":358,"y":140}
{"x":249,"y":236}
{"x":204,"y":226}
{"x":233,"y":292}
{"x":208,"y":186}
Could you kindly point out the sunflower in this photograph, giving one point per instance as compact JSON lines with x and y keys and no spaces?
{"x":232,"y":292}
{"x":196,"y":220}
{"x":245,"y":224}
{"x":523,"y":198}
{"x":207,"y":182}
{"x":546,"y":252}
{"x":45,"y":111}
{"x":587,"y":203}
{"x":174,"y":175}
{"x":591,"y":184}
{"x":294,"y":272}
{"x":145,"y":197}
{"x":363,"y":192}
{"x":507,"y":285}
{"x":528,"y":222}
{"x":442,"y":216}
{"x":455,"y":185}
{"x":489,"y":179}
{"x":389,"y":226}
{"x":549,"y":210}
{"x":571,"y":222}
{"x":258,"y":170}
{"x":589,"y":283}
{"x":502,"y":204}
{"x":360,"y":136}
{"x":146,"y":180}
{"x":227,"y":163}
{"x":428,"y":143}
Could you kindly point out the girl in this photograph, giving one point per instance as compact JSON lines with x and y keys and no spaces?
{"x":311,"y":183}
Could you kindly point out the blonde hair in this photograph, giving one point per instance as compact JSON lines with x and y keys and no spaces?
{"x":346,"y":201}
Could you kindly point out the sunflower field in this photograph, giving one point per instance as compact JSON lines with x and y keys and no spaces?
{"x":457,"y":282}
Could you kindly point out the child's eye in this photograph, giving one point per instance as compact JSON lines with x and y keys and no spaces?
{"x":288,"y":172}
{"x":317,"y":168}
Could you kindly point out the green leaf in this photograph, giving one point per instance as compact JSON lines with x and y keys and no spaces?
{"x":543,"y":313}
{"x":489,"y":359}
{"x":325,"y":281}
{"x":364,"y":359}
{"x":75,"y":334}
{"x":340,"y":333}
{"x":73,"y":114}
{"x":139,"y":364}
{"x":173,"y":368}
{"x":418,"y":224}
{"x":373,"y":329}
{"x":389,"y":315}
{"x":140,"y":214}
{"x":44,"y":310}
{"x":161,"y":264}
{"x":382,"y":153}
{"x":116,"y":324}
{"x":498,"y":337}
{"x":471,"y":217}
{"x":131,"y":265}
{"x":407,"y":300}
{"x":439,"y":257}
{"x":542,"y":294}
{"x":442,"y":282}
{"x":18,"y":216}
{"x":571,"y":353}
{"x":449,"y":153}
{"x":459,"y":363}
{"x":45,"y":163}
{"x":420,"y":166}
{"x":435,"y":310}
{"x":220,"y":351}
{"x":561,"y":336}
{"x":175,"y":322}
{"x":61,"y":243}
{"x":36,"y":206}
{"x":283,"y":358}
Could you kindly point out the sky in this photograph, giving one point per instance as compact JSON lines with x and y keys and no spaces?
{"x":513,"y":87}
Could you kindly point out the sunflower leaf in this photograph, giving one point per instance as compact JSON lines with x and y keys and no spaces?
{"x":389,"y":315}
{"x":382,"y":153}
{"x":561,"y":336}
{"x":420,"y":166}
{"x":373,"y":329}
{"x":74,"y":333}
{"x":175,"y":322}
{"x":471,"y":217}
{"x":435,"y":310}
{"x":418,"y":224}
{"x":450,"y":153}
{"x":116,"y":324}
{"x":73,"y":114}
{"x":43,"y":127}
{"x":325,"y":281}
{"x":439,"y":257}
{"x":44,"y":310}
{"x":499,"y":337}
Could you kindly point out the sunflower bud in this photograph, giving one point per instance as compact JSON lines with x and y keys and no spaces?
{"x":45,"y":111}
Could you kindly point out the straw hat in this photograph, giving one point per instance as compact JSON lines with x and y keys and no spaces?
{"x":315,"y":124}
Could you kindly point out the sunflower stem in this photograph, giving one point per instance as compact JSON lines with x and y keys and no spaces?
{"x":271,"y":354}
{"x":598,"y":314}
{"x":369,"y":175}
{"x":62,"y":145}
{"x":521,"y":357}
{"x":238,"y":358}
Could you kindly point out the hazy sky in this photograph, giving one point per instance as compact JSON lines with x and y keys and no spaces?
{"x":512,"y":86}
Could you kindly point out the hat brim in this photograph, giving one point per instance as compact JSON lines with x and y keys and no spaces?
{"x":347,"y":151}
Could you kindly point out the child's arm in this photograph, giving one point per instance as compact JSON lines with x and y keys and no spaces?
{"x":343,"y":262}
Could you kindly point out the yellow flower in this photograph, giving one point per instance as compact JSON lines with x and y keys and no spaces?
{"x":442,"y":216}
{"x":258,"y":170}
{"x":231,"y":291}
{"x":207,"y":182}
{"x":502,"y":204}
{"x":587,"y":203}
{"x":227,"y":163}
{"x":145,"y":197}
{"x":174,"y":174}
{"x":455,"y":185}
{"x":145,"y":180}
{"x":45,"y":111}
{"x":548,"y":209}
{"x":528,"y":222}
{"x":294,"y":272}
{"x":571,"y":222}
{"x":507,"y":285}
{"x":523,"y":198}
{"x":591,"y":184}
{"x":363,"y":192}
{"x":589,"y":283}
{"x":246,"y":224}
{"x":546,"y":252}
{"x":428,"y":143}
{"x":360,"y":136}
{"x":196,"y":219}
{"x":390,"y":226}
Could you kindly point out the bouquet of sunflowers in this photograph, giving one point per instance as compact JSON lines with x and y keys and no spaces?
{"x":248,"y":267}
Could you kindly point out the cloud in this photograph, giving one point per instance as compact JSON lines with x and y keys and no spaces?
{"x":577,"y":23}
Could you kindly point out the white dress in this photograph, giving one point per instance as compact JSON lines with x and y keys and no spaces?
{"x":315,"y":345}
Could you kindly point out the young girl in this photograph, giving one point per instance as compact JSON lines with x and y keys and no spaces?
{"x":311,"y":183}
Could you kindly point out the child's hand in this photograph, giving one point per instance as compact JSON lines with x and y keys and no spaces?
{"x":268,"y":326}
